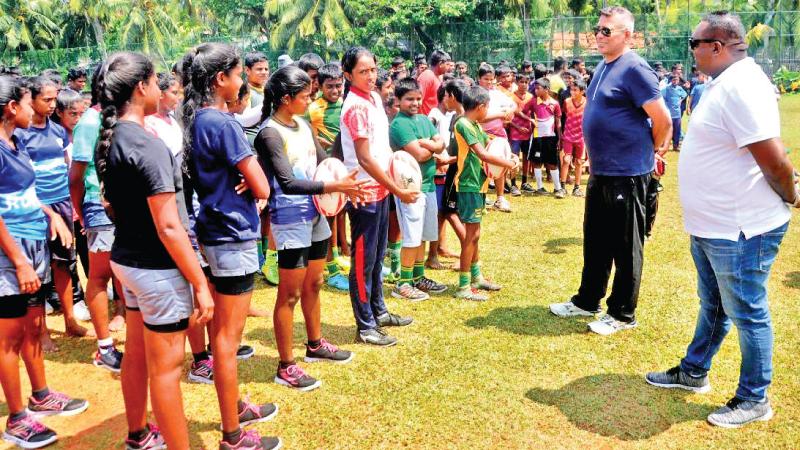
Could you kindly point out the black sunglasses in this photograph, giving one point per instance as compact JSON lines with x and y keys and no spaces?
{"x":694,"y":43}
{"x":605,"y":31}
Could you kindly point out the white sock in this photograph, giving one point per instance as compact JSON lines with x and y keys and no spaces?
{"x":538,"y":174}
{"x":107,"y":342}
{"x":556,"y":179}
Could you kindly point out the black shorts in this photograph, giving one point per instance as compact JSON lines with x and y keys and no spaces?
{"x":449,"y":203}
{"x":16,"y":306}
{"x":544,"y":150}
{"x":298,"y":258}
{"x":233,"y":285}
{"x":392,"y":205}
{"x":58,"y":252}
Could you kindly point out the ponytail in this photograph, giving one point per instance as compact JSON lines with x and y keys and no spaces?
{"x":199,"y":69}
{"x":288,"y":80}
{"x":116,"y":81}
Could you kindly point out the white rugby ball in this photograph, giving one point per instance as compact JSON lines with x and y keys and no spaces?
{"x":330,"y":204}
{"x":404,"y":170}
{"x":498,"y":147}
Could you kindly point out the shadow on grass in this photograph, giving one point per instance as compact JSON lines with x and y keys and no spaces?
{"x":792,"y":280}
{"x":336,"y":334}
{"x":556,"y":246}
{"x":623,"y":406}
{"x":111,"y":432}
{"x":529,"y":321}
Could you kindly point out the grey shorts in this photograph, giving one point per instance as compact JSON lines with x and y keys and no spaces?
{"x":38,"y":255}
{"x":100,"y":239}
{"x":233,"y":259}
{"x":419,"y":221}
{"x":301,"y":234}
{"x":164,"y":297}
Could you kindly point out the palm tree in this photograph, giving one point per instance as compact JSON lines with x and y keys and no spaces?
{"x":27,"y":24}
{"x":299,"y":19}
{"x":94,"y":15}
{"x":576,"y":6}
{"x":149,"y":24}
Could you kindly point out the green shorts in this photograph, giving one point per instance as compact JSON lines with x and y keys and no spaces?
{"x":471,"y":206}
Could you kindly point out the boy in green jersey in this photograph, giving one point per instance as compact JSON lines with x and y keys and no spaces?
{"x":471,"y":185}
{"x":414,"y":133}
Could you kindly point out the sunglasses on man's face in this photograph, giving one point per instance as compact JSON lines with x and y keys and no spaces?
{"x":605,"y":31}
{"x":694,"y":43}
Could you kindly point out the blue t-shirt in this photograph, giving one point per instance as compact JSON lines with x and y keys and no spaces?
{"x":20,"y":208}
{"x":615,"y":125}
{"x":673,"y":97}
{"x":218,"y":145}
{"x":697,"y":92}
{"x":47,"y":148}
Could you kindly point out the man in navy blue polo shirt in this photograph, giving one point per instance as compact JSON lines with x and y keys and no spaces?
{"x":622,"y":96}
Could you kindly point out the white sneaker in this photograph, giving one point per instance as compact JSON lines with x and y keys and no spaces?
{"x":81,"y":311}
{"x":48,"y":308}
{"x":110,"y":291}
{"x":568,"y":309}
{"x":502,"y":205}
{"x":608,"y":325}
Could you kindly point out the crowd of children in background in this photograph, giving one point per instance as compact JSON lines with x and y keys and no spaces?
{"x":181,"y":186}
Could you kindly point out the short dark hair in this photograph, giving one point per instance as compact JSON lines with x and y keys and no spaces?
{"x":53,"y":75}
{"x":455,"y":88}
{"x":539,"y":70}
{"x":485,"y":69}
{"x":310,"y":61}
{"x":253,"y":58}
{"x":522,"y":75}
{"x":398,"y":61}
{"x":474,"y":97}
{"x":725,"y":26}
{"x":558,"y":63}
{"x":329,"y":72}
{"x":439,"y":57}
{"x":404,"y":86}
{"x":543,"y":82}
{"x":419,"y":59}
{"x":580,"y":84}
{"x":526,"y":64}
{"x":576,"y":62}
{"x":503,"y":69}
{"x":440,"y":92}
{"x":76,"y":73}
{"x":383,"y":77}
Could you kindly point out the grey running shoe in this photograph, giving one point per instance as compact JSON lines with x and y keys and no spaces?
{"x":376,"y":337}
{"x":425,"y":284}
{"x":408,"y":291}
{"x":568,"y":309}
{"x":393,"y":320}
{"x":577,"y":192}
{"x":560,"y":193}
{"x":515,"y":191}
{"x":527,"y":188}
{"x":738,"y":412}
{"x":676,"y":378}
{"x":541,"y":191}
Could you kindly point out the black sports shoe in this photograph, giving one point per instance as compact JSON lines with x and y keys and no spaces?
{"x":425,"y":284}
{"x":376,"y":336}
{"x":393,"y":320}
{"x":244,"y":352}
{"x":327,"y":352}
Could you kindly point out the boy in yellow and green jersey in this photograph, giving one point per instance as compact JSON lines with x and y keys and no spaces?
{"x":471,"y":186}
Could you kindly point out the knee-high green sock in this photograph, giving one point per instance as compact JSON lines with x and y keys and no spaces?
{"x":394,"y":255}
{"x":419,"y":270}
{"x":406,"y":275}
{"x":260,"y":247}
{"x":475,"y":271}
{"x":463,"y":280}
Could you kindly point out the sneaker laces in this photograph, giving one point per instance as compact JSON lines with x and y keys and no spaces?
{"x":206,"y":363}
{"x":252,"y":407}
{"x":296,"y":372}
{"x":324,"y":344}
{"x":55,"y":397}
{"x":30,"y":424}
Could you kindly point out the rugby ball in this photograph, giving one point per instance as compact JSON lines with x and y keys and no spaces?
{"x":405,"y":172}
{"x":330,"y":204}
{"x":498,"y":147}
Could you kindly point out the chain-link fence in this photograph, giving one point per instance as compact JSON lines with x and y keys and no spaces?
{"x":658,"y":38}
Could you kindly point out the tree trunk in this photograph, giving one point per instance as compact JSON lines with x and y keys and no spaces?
{"x":576,"y":30}
{"x":99,"y":35}
{"x":526,"y":29}
{"x":552,"y":37}
{"x":428,"y":41}
{"x":770,"y":12}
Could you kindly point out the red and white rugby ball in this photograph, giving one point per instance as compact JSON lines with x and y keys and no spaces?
{"x":404,"y":170}
{"x":500,"y":148}
{"x":330,"y":204}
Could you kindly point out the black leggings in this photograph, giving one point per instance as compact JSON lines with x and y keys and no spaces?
{"x":298,"y":258}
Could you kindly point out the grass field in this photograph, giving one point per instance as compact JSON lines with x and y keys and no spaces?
{"x":502,"y":374}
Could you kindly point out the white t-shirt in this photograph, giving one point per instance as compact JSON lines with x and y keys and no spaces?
{"x":363,"y":117}
{"x":167,"y":130}
{"x":722,"y":189}
{"x":442,"y":122}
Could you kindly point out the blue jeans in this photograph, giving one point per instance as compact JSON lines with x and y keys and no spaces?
{"x":732,"y":286}
{"x":676,"y":132}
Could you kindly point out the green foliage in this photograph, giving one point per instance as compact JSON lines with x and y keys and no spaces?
{"x":788,"y":81}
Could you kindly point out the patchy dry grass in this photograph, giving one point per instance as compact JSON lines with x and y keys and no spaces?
{"x":504,"y":374}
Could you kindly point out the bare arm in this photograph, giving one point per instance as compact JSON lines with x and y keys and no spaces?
{"x":433,"y":145}
{"x":76,"y":187}
{"x":27,"y":279}
{"x":254,"y":177}
{"x":771,"y":158}
{"x":164,"y":210}
{"x":662,"y":123}
{"x":374,"y":170}
{"x":484,"y":156}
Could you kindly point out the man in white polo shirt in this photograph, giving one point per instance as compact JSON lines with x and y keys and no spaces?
{"x":736,"y":186}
